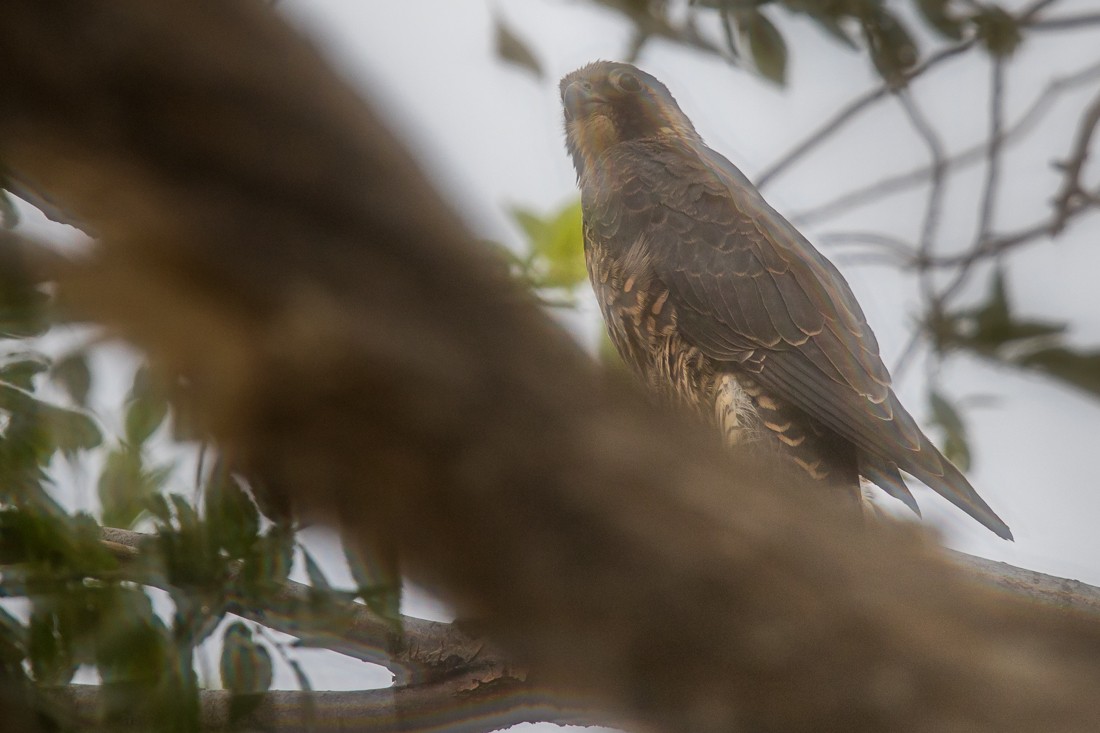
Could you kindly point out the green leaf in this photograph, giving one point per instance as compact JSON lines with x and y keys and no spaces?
{"x":1079,"y":369}
{"x":556,"y":246}
{"x":317,"y":579}
{"x":988,"y":328}
{"x":510,"y":48}
{"x":998,"y":31}
{"x":126,"y":485}
{"x":377,"y":579}
{"x":232,"y":518}
{"x":157,"y":505}
{"x":50,"y":648}
{"x":769,"y":50}
{"x":956,"y":446}
{"x":892,"y":48}
{"x":270,"y":561}
{"x":835,"y":29}
{"x":74,"y":376}
{"x":71,"y":431}
{"x":143,"y":416}
{"x":131,"y":645}
{"x":936,"y":14}
{"x":9,"y":214}
{"x":14,"y":639}
{"x":23,"y":305}
{"x":22,"y":371}
{"x":246,"y":667}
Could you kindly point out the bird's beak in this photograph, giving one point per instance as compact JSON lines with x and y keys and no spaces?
{"x":580,"y":98}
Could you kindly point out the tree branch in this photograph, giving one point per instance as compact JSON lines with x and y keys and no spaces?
{"x":1024,"y":18}
{"x":465,"y":704}
{"x":422,"y":651}
{"x":894,"y":184}
{"x":263,"y":234}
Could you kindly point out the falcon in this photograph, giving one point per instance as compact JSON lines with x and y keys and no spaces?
{"x":717,"y":302}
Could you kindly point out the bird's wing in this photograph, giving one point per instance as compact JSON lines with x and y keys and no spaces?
{"x":749,"y":288}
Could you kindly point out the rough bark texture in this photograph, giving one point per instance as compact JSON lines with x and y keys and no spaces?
{"x":263,"y":233}
{"x":487,"y":705}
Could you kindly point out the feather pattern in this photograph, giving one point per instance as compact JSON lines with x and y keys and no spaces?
{"x":718,"y":302}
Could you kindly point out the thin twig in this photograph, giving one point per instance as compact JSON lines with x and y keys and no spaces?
{"x":1072,"y":188}
{"x":987,"y":211}
{"x":865,"y":100}
{"x":927,"y":133}
{"x":1066,"y":22}
{"x":880,"y":189}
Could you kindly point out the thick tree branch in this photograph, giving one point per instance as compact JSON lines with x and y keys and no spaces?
{"x":423,"y":651}
{"x":464,"y":704}
{"x":263,"y":234}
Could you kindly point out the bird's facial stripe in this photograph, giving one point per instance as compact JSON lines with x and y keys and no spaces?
{"x":591,"y":136}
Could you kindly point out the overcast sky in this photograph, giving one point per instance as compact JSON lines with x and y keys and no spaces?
{"x":491,"y":137}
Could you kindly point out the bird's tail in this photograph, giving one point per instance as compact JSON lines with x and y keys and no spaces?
{"x":940,"y":475}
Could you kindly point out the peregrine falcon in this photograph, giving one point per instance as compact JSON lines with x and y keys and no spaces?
{"x":717,"y":302}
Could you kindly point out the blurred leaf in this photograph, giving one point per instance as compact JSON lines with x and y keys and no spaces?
{"x":9,"y":214}
{"x":23,"y":305}
{"x":892,"y":48}
{"x":990,"y":330}
{"x":70,"y":430}
{"x":989,"y":327}
{"x":157,"y":505}
{"x":126,"y":485}
{"x":301,"y":678}
{"x":955,"y":444}
{"x":73,"y":374}
{"x":513,"y":50}
{"x":270,"y":561}
{"x":146,"y":410}
{"x":317,"y":579}
{"x":835,"y":28}
{"x":36,"y":430}
{"x":50,"y":648}
{"x":1080,"y":369}
{"x":377,"y":579}
{"x":936,"y":14}
{"x":556,"y":246}
{"x":998,"y":31}
{"x":186,"y":515}
{"x":769,"y":50}
{"x":14,"y":639}
{"x":245,"y":665}
{"x":231,"y":516}
{"x":22,"y":370}
{"x":131,"y":645}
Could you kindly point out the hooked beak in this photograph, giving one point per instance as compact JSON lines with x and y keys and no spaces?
{"x":579,"y":98}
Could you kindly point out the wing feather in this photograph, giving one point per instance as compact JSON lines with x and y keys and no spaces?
{"x":746,"y":283}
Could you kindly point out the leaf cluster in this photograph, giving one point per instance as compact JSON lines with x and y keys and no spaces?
{"x":70,"y":601}
{"x":750,"y":30}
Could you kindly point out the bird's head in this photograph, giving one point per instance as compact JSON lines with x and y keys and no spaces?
{"x":607,"y":103}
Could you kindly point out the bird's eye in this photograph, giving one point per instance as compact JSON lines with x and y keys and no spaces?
{"x":626,"y":82}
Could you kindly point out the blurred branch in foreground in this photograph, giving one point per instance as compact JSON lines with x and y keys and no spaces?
{"x":264,"y":235}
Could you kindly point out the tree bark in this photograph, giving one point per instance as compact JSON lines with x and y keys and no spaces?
{"x":263,"y":234}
